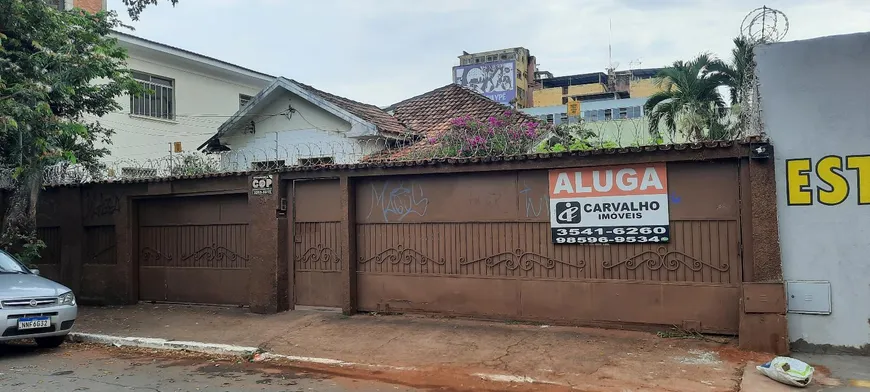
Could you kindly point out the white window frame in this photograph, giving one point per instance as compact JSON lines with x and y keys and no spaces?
{"x":158,"y":89}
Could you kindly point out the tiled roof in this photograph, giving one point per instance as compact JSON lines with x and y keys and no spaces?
{"x":386,"y":124}
{"x":430,"y":115}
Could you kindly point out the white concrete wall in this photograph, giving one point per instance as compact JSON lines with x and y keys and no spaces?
{"x":815,"y":100}
{"x":311,"y":132}
{"x":203,"y":102}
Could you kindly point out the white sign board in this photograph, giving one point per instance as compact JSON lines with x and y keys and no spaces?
{"x":261,"y":185}
{"x":610,"y":205}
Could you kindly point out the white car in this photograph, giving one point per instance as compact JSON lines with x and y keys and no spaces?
{"x":33,"y":307}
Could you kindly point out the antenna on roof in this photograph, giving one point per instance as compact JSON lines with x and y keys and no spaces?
{"x":610,"y":47}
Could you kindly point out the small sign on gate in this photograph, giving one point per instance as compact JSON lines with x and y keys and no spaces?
{"x":261,"y":185}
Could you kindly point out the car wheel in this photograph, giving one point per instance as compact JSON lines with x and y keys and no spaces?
{"x":50,"y":342}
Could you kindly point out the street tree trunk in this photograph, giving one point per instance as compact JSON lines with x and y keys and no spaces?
{"x":19,"y":221}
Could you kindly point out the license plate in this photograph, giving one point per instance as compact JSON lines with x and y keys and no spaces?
{"x":34,"y":322}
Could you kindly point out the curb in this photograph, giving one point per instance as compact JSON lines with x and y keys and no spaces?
{"x":162,"y":344}
{"x":243,"y":351}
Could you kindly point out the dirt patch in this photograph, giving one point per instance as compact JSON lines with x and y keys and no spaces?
{"x":735,"y":355}
{"x":439,"y":353}
{"x":822,"y":370}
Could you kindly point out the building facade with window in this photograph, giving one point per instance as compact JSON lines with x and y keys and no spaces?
{"x":553,"y":91}
{"x":620,"y":121}
{"x":188,"y":96}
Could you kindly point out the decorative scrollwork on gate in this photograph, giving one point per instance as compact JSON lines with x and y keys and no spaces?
{"x":151,"y":256}
{"x":317,"y":254}
{"x":655,"y":260}
{"x":521,"y":259}
{"x":403,"y":255}
{"x":214,"y":253}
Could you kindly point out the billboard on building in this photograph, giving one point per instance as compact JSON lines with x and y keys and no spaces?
{"x":497,"y":80}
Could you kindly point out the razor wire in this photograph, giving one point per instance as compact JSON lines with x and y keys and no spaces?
{"x":618,"y":133}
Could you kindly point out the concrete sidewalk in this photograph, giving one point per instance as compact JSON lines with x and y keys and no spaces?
{"x":834,"y":373}
{"x":424,"y":351}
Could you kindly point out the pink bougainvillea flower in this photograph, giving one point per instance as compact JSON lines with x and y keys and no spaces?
{"x":459,"y":121}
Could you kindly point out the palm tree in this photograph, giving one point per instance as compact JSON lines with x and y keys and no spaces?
{"x":738,"y":73}
{"x":689,"y":100}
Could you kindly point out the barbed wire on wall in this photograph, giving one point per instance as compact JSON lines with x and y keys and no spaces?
{"x":619,"y":133}
{"x":760,"y":26}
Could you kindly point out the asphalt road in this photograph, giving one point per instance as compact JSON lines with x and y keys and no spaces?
{"x":75,"y":367}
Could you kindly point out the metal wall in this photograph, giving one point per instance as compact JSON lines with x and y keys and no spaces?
{"x":316,"y":236}
{"x":479,"y":244}
{"x":193,"y":249}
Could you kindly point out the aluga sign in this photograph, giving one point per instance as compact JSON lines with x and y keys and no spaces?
{"x":616,"y":204}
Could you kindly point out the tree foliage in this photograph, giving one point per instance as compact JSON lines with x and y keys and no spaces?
{"x":135,"y":7}
{"x":573,"y":137}
{"x":57,"y":69}
{"x":689,"y":100}
{"x":738,"y":73}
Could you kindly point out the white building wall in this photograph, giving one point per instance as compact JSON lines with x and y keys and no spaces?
{"x":814,"y":96}
{"x":310,"y":132}
{"x":202,"y":103}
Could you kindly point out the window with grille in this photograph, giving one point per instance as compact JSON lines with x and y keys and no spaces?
{"x":157,"y":101}
{"x":138,"y":172}
{"x":267,"y":165}
{"x":244,"y":99}
{"x":316,"y":161}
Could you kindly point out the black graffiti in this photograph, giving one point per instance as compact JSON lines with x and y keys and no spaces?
{"x":487,"y":78}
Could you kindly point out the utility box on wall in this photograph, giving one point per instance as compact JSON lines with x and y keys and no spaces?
{"x":809,"y":297}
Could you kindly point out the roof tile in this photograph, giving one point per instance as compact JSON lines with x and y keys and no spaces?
{"x":430,"y":115}
{"x":386,"y":124}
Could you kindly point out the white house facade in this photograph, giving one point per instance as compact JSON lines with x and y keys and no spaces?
{"x":188,"y":97}
{"x":289,"y":123}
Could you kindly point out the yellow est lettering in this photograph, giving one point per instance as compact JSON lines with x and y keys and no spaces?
{"x":798,"y":182}
{"x":830,"y":170}
{"x":861,"y":165}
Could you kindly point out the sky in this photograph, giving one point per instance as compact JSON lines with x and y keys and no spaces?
{"x":384,"y":51}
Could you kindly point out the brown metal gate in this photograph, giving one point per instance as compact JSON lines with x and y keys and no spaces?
{"x":479,"y":245}
{"x":194,"y":249}
{"x":316,"y":252}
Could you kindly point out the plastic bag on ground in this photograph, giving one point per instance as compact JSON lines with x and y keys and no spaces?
{"x":788,"y":371}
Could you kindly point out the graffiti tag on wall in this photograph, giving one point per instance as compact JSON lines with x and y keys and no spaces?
{"x":497,"y":81}
{"x":396,"y":200}
{"x":535,"y":205}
